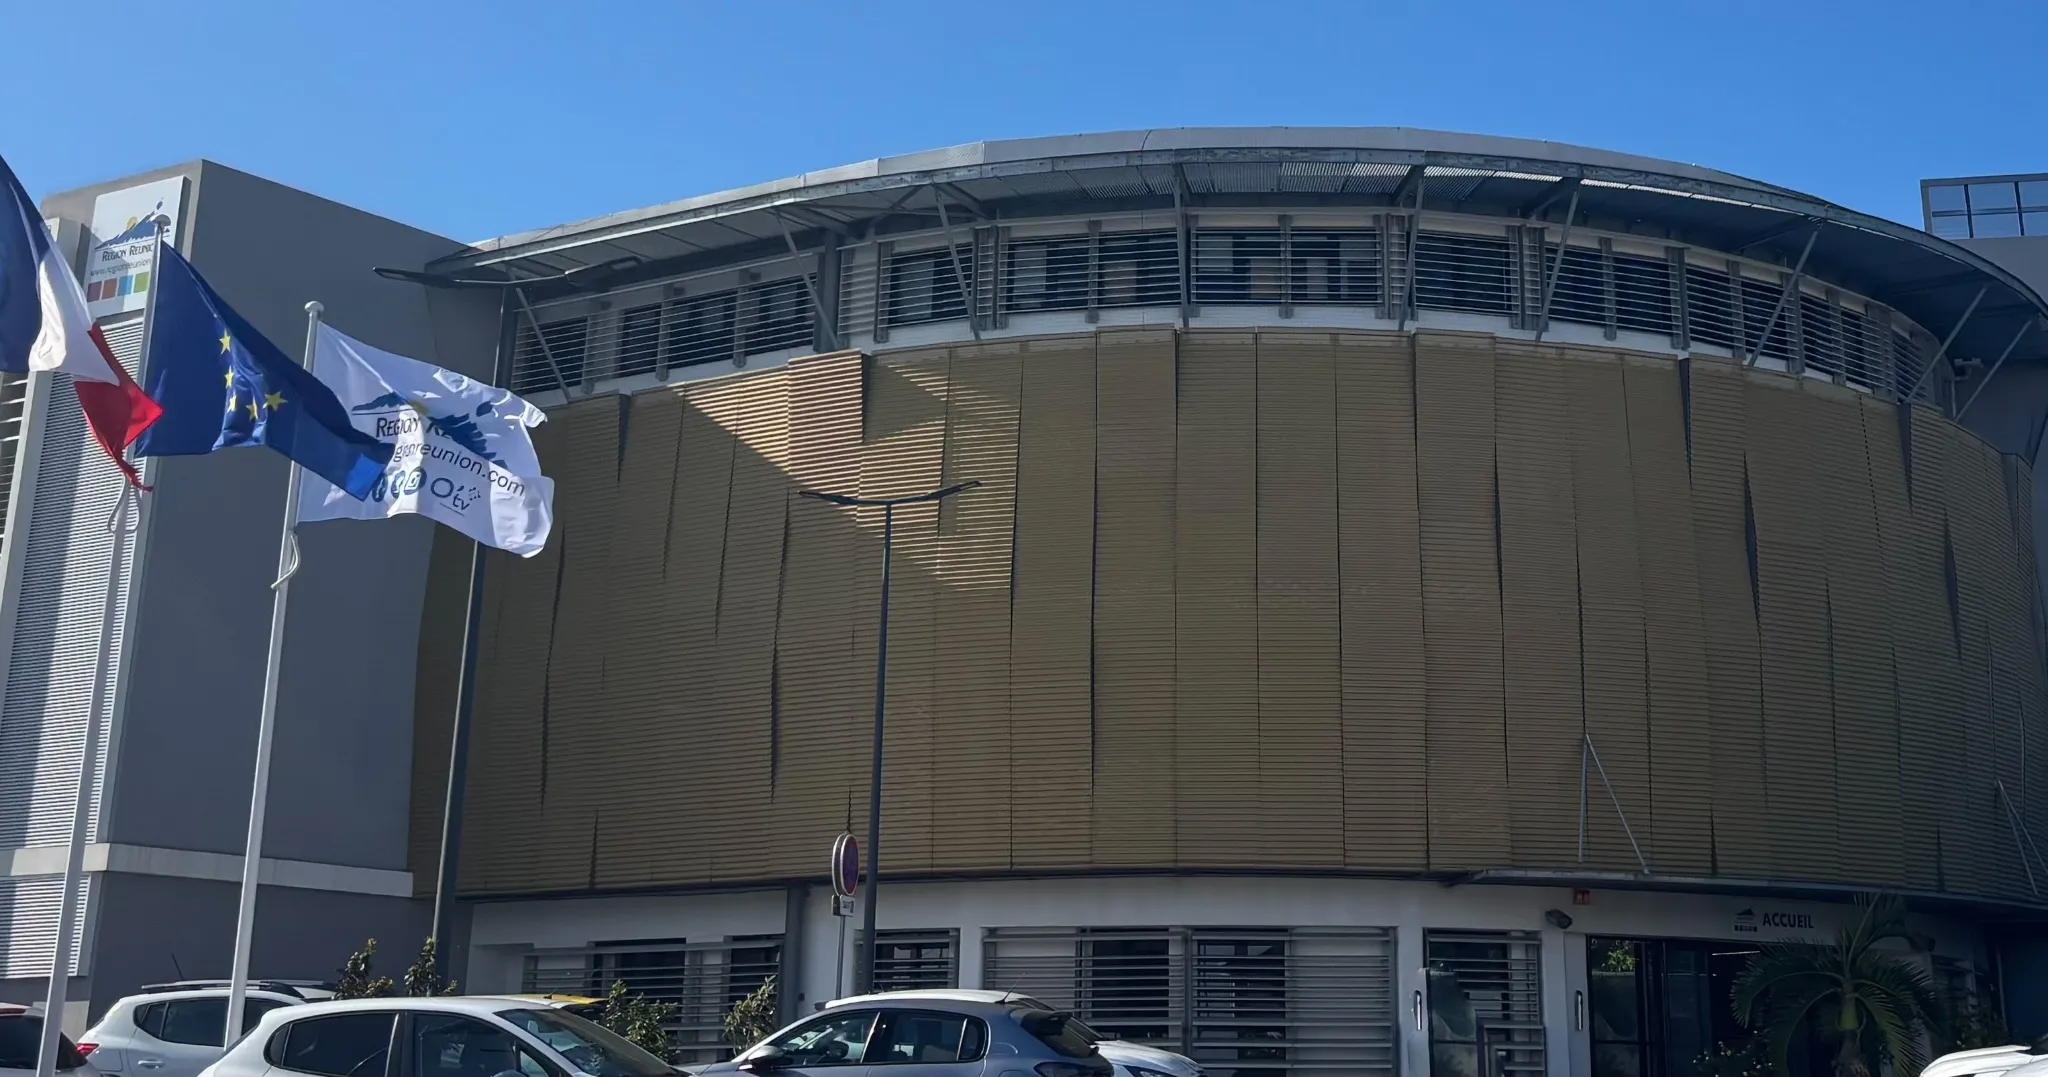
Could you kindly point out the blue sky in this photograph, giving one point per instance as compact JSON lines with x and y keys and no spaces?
{"x":475,"y":119}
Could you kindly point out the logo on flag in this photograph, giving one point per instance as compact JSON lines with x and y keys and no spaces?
{"x":460,"y":450}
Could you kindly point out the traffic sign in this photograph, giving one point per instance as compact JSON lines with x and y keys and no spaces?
{"x":845,"y":866}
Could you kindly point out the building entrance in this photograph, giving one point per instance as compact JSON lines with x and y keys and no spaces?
{"x":1661,"y":1007}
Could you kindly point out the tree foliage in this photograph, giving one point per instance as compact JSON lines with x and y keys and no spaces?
{"x":1869,"y":1004}
{"x":359,"y":978}
{"x":752,"y":1018}
{"x":641,"y":1020}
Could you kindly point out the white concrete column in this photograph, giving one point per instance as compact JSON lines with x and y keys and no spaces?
{"x":1581,"y":1016}
{"x":1410,"y":982}
{"x":1557,"y":1004}
{"x":970,"y":956}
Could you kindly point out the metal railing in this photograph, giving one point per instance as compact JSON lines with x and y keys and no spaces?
{"x":702,"y":979}
{"x":1240,"y":1001}
{"x":984,"y":274}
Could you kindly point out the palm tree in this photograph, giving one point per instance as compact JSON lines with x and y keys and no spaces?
{"x":1871,"y":1002}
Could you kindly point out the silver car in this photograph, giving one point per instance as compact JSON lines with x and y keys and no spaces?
{"x":953,"y":1033}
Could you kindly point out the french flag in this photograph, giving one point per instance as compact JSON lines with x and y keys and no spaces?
{"x":44,"y":326}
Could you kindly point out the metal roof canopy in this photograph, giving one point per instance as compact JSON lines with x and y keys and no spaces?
{"x":1930,"y":280}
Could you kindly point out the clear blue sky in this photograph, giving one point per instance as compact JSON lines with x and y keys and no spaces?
{"x":475,"y":119}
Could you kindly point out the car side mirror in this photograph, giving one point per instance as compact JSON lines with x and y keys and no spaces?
{"x":767,"y":1060}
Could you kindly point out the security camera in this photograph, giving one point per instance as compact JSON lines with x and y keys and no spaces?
{"x":1558,"y":919}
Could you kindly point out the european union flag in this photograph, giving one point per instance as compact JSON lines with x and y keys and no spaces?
{"x":222,"y":384}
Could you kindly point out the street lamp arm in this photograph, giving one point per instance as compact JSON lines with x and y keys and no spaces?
{"x":884,"y":502}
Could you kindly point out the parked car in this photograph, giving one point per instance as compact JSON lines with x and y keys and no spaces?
{"x":916,"y":1033}
{"x":174,"y":1029}
{"x":21,"y":1040}
{"x":449,"y":1036}
{"x":2011,"y":1060}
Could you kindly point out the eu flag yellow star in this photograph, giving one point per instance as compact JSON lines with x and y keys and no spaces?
{"x":233,"y":403}
{"x":226,"y":339}
{"x":229,"y":377}
{"x":253,"y":406}
{"x":273,"y":401}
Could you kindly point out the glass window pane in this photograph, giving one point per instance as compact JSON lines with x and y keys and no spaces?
{"x":450,"y":1045}
{"x":2034,"y":194}
{"x":1994,"y":225}
{"x":917,"y":1037}
{"x":828,"y":1041}
{"x":343,"y":1045}
{"x":1952,"y":227}
{"x":1993,"y":196}
{"x":2036,"y":222}
{"x":1945,"y":199}
{"x":195,"y":1020}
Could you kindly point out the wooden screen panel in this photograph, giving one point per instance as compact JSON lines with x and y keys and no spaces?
{"x":1454,"y":409}
{"x":444,"y":611}
{"x":573,"y":764}
{"x":1720,"y":496}
{"x":1866,"y":723}
{"x":1611,"y":615}
{"x":1939,"y":650}
{"x":1539,"y":604}
{"x":825,"y":680}
{"x":1976,"y":518}
{"x":505,"y":736}
{"x":1386,"y":770}
{"x":1674,"y":644}
{"x":1134,"y":583}
{"x":1799,"y":742}
{"x":638,"y":677}
{"x":971,"y":820}
{"x":906,"y":455}
{"x":1216,"y":613}
{"x":2033,"y":672}
{"x":736,"y":742}
{"x":1913,"y":607}
{"x":699,"y":503}
{"x":1051,"y":736}
{"x":1300,"y":751}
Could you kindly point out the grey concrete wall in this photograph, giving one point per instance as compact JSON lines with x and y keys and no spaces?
{"x":151,"y":927}
{"x":342,"y":766}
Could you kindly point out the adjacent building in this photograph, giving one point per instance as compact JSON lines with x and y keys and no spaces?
{"x":1434,"y":604}
{"x":171,"y":798}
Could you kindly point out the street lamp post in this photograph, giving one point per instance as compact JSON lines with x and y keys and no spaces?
{"x":864,"y":965}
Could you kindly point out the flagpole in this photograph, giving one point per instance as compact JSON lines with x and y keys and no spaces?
{"x":122,"y":523}
{"x":465,"y":704}
{"x":266,"y":727}
{"x":81,"y":809}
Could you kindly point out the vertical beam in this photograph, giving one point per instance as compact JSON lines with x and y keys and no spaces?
{"x":541,"y":338}
{"x":1928,"y":370}
{"x":1187,"y":251}
{"x":1286,"y":266}
{"x":825,"y":300}
{"x":885,"y":251}
{"x":1610,"y":304}
{"x":1421,"y":175}
{"x":959,"y":275}
{"x":2025,"y":327}
{"x":825,"y":328}
{"x":1681,"y":300}
{"x":1564,"y":238}
{"x":1094,"y":270}
{"x":1791,"y":285}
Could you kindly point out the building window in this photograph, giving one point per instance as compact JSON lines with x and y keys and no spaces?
{"x":917,"y":960}
{"x":926,"y":286}
{"x":1988,"y":209}
{"x":1485,"y":1002}
{"x":1047,"y":275}
{"x":559,"y":364}
{"x":639,"y":340}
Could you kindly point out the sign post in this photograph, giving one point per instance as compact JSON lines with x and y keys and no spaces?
{"x":845,"y":887}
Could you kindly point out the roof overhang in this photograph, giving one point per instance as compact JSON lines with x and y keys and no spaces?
{"x":1942,"y":286}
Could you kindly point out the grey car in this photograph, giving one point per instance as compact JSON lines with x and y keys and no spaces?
{"x":881,"y":1036}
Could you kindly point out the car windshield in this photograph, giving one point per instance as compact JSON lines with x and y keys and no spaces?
{"x":21,"y":1039}
{"x":588,"y":1046}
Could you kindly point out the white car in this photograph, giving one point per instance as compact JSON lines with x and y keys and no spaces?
{"x":21,"y":1039}
{"x":2011,"y":1060}
{"x":469,"y":1036}
{"x":1130,"y":1059}
{"x":174,"y":1030}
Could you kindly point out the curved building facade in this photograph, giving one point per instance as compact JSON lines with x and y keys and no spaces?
{"x":1415,"y":583}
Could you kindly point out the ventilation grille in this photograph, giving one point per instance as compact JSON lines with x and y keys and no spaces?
{"x":702,"y":979}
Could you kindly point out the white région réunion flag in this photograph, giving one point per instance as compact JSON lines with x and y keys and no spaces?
{"x":461,"y":453}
